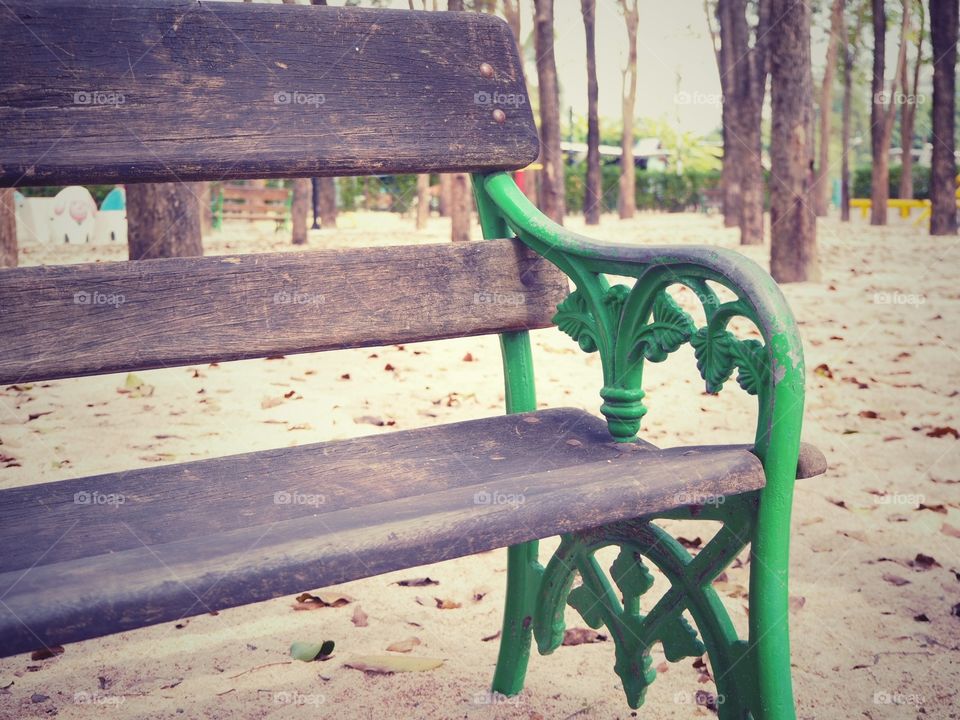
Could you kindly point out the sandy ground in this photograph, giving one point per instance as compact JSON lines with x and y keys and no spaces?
{"x":875,"y":631}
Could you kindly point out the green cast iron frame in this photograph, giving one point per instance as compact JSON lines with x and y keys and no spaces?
{"x":628,"y":326}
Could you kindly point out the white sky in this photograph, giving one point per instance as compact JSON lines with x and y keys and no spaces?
{"x":674,"y":55}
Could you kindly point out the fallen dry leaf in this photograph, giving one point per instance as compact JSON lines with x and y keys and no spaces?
{"x":387,"y":664}
{"x":135,"y":387}
{"x":480,"y":593}
{"x":446,"y":604}
{"x":359,"y":617}
{"x":797,"y":602}
{"x":418,"y":582}
{"x":308,"y":601}
{"x":582,"y":636}
{"x":488,"y":638}
{"x":46,"y":652}
{"x":469,"y":358}
{"x":939,"y":432}
{"x":895,"y":579}
{"x":404,"y":646}
{"x":950,"y":530}
{"x":938,"y":508}
{"x":924,"y":562}
{"x":823,"y":370}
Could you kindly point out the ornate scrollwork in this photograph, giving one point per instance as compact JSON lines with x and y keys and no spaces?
{"x":628,"y":326}
{"x":617,"y":606}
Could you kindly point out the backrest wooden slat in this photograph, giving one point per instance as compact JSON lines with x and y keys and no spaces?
{"x":72,"y":320}
{"x":167,"y":90}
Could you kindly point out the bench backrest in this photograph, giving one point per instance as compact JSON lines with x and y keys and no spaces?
{"x":157,"y":90}
{"x":175,"y":90}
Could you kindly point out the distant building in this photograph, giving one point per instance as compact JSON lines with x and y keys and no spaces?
{"x":648,"y":153}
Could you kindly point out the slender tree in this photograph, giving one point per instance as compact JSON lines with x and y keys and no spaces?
{"x":461,"y":200}
{"x":299,"y":209}
{"x":326,"y":187}
{"x":593,"y":193}
{"x":8,"y":228}
{"x":628,"y":174}
{"x":908,"y":111}
{"x":423,"y":200}
{"x":327,"y":197}
{"x":851,"y":49}
{"x":552,"y":191}
{"x":943,"y":35}
{"x":743,"y":79}
{"x":882,"y":111}
{"x":730,"y":167}
{"x":163,"y":220}
{"x":526,"y":178}
{"x":822,"y":188}
{"x":793,"y":223}
{"x":878,"y":154}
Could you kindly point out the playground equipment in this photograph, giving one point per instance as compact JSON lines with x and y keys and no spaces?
{"x":236,"y":201}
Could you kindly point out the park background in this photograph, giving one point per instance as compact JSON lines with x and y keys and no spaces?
{"x":876,"y":559}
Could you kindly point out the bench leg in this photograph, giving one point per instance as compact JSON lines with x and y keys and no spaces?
{"x":523,"y":582}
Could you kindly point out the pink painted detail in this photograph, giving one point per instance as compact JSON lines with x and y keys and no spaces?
{"x":79,"y":211}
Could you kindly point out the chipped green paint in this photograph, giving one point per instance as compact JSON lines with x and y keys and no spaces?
{"x":628,"y":326}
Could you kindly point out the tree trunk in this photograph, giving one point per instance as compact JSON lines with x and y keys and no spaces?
{"x":461,"y":205}
{"x":8,"y":228}
{"x":423,"y":200}
{"x":743,"y":80}
{"x":848,"y":59}
{"x":204,"y":197}
{"x":444,"y":196}
{"x":627,"y":203}
{"x":299,"y":208}
{"x":592,"y":192}
{"x":163,"y":220}
{"x":880,"y":171}
{"x":460,"y":200}
{"x":793,"y":224}
{"x":552,"y":189}
{"x":822,"y":190}
{"x":881,"y":130}
{"x":851,"y":48}
{"x":943,"y":34}
{"x":327,"y":188}
{"x":727,"y":56}
{"x":908,"y":113}
{"x":511,"y":12}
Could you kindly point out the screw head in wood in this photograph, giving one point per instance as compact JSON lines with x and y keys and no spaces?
{"x":499,"y":116}
{"x":486,"y":70}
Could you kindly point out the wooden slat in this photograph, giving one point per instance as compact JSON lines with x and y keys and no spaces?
{"x":209,"y":535}
{"x":71,"y":320}
{"x":169,"y":90}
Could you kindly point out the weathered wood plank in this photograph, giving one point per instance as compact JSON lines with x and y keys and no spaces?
{"x":142,"y":584}
{"x":120,"y":511}
{"x":72,"y":320}
{"x":173,"y":90}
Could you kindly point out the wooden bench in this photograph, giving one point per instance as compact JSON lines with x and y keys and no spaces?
{"x":208,"y":535}
{"x":244,"y":202}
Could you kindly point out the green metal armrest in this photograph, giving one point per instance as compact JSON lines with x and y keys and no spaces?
{"x":628,"y":326}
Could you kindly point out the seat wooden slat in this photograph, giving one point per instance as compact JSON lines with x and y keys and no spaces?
{"x":172,"y":90}
{"x":192,"y":538}
{"x":73,"y":320}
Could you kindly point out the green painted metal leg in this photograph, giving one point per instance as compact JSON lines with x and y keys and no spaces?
{"x":523,"y":570}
